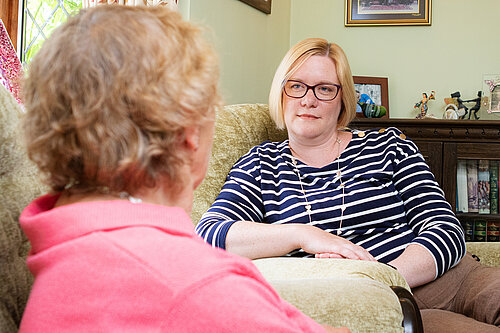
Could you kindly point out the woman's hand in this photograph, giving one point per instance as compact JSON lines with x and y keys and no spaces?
{"x":259,"y":240}
{"x":326,"y":245}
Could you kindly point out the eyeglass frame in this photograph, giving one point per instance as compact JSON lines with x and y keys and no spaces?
{"x":339,"y":87}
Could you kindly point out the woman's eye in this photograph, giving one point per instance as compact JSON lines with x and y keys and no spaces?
{"x":296,"y":86}
{"x":325,"y":89}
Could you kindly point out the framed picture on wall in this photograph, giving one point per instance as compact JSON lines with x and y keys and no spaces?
{"x":262,"y":5}
{"x":387,"y":12}
{"x":372,"y":91}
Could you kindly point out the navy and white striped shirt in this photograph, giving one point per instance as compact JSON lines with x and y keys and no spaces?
{"x":391,"y":197}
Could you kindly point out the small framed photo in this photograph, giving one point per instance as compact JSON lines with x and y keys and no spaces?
{"x":372,"y":90}
{"x":387,"y":12}
{"x":491,"y":90}
{"x":262,"y":5}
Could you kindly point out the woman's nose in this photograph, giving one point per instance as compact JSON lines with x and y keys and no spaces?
{"x":309,"y":99}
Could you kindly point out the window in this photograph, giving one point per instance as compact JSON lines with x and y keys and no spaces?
{"x":39,"y":19}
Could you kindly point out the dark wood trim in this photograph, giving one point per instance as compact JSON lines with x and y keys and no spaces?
{"x":9,"y":13}
{"x":437,"y":129}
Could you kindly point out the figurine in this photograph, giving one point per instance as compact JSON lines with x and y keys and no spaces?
{"x":422,"y":105}
{"x":450,"y":111}
{"x":462,"y":109}
{"x":476,"y":106}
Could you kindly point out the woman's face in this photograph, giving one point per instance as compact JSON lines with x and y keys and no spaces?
{"x":308,"y":118}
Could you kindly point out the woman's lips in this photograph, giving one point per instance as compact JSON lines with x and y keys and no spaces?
{"x":307,"y":116}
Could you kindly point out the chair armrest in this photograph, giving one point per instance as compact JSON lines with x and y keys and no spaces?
{"x":412,"y":320}
{"x":487,"y":252}
{"x":339,"y":292}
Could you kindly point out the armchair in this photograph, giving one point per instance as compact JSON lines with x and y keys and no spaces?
{"x":364,"y":296}
{"x":337,"y":292}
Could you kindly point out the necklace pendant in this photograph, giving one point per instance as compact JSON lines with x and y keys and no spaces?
{"x":308,"y":208}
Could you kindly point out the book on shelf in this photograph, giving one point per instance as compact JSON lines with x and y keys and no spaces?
{"x":480,"y":230}
{"x":472,"y":199}
{"x":483,"y":186}
{"x":493,"y":231}
{"x":469,"y":230}
{"x":462,"y":202}
{"x":493,"y":187}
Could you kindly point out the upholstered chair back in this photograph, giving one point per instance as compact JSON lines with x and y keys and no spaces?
{"x":237,"y":129}
{"x":19,"y":184}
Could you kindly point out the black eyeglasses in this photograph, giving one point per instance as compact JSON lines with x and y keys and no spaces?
{"x":322,"y":91}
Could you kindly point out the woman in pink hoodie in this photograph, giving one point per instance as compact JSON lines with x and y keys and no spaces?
{"x":120,"y":115}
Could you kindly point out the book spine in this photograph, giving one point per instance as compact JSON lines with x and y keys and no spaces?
{"x":469,"y":230}
{"x":493,"y":231}
{"x":493,"y":187}
{"x":472,"y":186}
{"x":483,"y":186}
{"x":480,"y":230}
{"x":462,"y":201}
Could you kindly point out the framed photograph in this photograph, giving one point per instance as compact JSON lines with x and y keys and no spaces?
{"x":262,"y":5}
{"x":491,"y":90}
{"x":387,"y":12}
{"x":372,"y":90}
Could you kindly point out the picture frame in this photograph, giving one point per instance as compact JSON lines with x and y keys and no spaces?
{"x":387,"y":12}
{"x":491,"y":90}
{"x":262,"y":5}
{"x":376,"y":88}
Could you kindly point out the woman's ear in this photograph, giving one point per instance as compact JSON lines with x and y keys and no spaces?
{"x":192,"y":138}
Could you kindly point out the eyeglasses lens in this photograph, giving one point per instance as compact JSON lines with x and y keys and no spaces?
{"x":324,"y":92}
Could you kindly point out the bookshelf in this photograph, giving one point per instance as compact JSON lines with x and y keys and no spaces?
{"x":443,"y":143}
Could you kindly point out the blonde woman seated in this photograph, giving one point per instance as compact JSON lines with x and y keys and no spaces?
{"x":332,"y":192}
{"x":120,"y":113}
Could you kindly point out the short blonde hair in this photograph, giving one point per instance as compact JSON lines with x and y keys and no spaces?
{"x":294,"y":58}
{"x":109,"y":95}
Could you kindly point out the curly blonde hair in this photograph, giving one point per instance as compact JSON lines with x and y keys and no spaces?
{"x":294,"y":58}
{"x":109,"y":95}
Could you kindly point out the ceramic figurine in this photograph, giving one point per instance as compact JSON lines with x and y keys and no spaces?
{"x":422,"y":105}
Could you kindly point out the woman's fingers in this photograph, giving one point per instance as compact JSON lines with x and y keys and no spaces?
{"x":325,"y":245}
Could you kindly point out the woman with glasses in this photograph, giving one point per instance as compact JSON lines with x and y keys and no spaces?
{"x":332,"y":192}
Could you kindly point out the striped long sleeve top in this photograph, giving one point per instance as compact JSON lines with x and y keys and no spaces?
{"x":391,"y":197}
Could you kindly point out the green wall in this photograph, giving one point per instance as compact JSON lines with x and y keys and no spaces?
{"x":450,"y":55}
{"x":250,"y":44}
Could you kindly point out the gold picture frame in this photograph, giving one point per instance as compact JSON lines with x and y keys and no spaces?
{"x":387,"y":12}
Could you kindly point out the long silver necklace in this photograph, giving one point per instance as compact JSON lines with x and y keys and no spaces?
{"x":307,"y":205}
